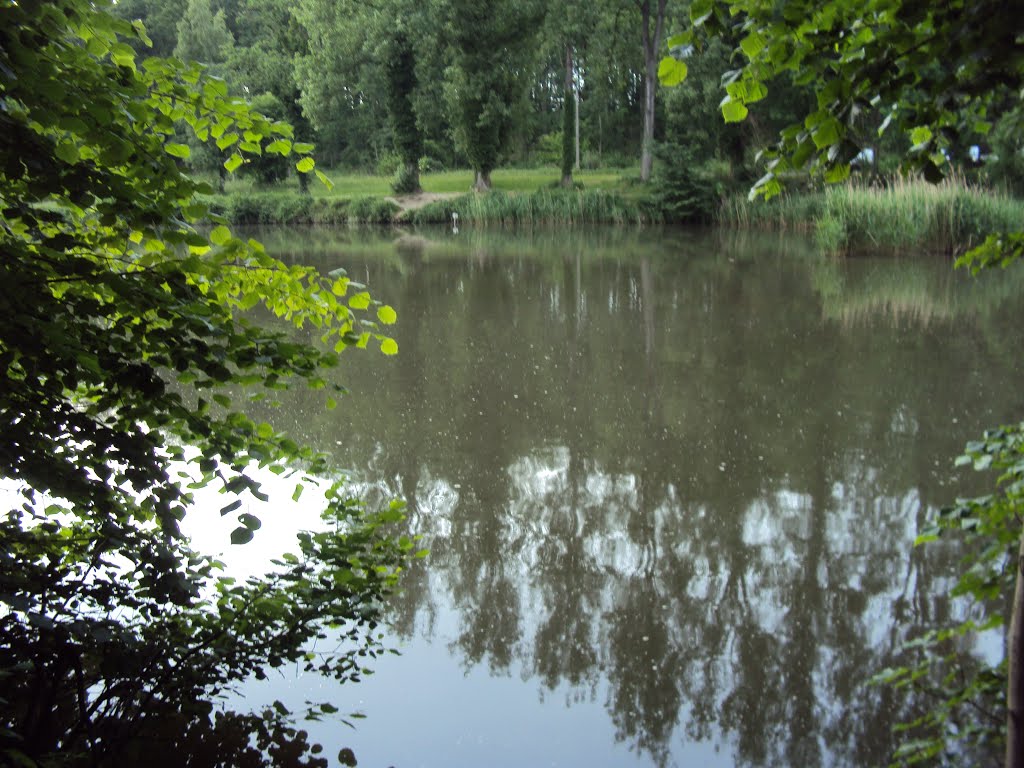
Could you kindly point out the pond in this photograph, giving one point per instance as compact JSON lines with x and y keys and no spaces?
{"x":670,"y":483}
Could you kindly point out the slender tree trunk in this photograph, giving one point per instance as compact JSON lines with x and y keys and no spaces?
{"x":568,"y":107}
{"x":1015,"y":673}
{"x":576,"y":94}
{"x":651,"y":38}
{"x":482,"y":182}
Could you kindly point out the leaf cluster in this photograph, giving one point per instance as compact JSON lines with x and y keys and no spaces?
{"x":933,"y":72}
{"x":969,"y":711}
{"x":124,"y":319}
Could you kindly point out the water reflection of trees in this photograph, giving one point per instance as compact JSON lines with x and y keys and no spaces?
{"x":680,"y":481}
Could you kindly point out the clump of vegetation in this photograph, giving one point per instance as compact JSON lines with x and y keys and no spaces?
{"x":683,"y":191}
{"x":901,"y":214}
{"x":371,"y":210}
{"x":545,"y":206}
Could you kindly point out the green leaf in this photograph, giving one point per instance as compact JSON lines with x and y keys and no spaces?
{"x":97,"y":47}
{"x":241,"y":535}
{"x":920,"y":137}
{"x":230,"y":507}
{"x":281,"y":147}
{"x":753,"y":44}
{"x":826,"y":133}
{"x":734,"y":112}
{"x":233,"y":162}
{"x":359,"y":301}
{"x":123,"y":55}
{"x":671,"y":71}
{"x":389,"y":346}
{"x":178,"y":150}
{"x":837,"y":174}
{"x":386,"y":315}
{"x":226,"y":140}
{"x":251,"y":522}
{"x":324,"y":180}
{"x":683,"y":38}
{"x":700,"y":11}
{"x":67,"y":151}
{"x":305,"y":165}
{"x":220,"y":235}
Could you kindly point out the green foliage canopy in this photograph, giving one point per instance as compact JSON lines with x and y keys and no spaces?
{"x":932,"y":71}
{"x":123,"y":323}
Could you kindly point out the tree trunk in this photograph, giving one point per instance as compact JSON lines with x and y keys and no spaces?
{"x":568,"y":107}
{"x":651,"y":39}
{"x":411,"y":177}
{"x":482,"y":182}
{"x":576,"y":94}
{"x":1015,"y":673}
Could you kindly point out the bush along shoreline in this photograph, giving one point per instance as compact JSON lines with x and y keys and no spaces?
{"x":899,"y":215}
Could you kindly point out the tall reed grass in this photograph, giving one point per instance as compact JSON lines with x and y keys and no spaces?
{"x":902,"y":214}
{"x":543,"y":207}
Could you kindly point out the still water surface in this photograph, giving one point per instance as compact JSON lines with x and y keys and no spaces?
{"x":670,"y":484}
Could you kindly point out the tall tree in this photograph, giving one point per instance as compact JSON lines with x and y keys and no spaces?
{"x":568,"y":118}
{"x":400,"y":65}
{"x":568,"y":27}
{"x":203,"y":35}
{"x":491,"y":44}
{"x":343,"y":79}
{"x":652,"y":25}
{"x":262,"y":61}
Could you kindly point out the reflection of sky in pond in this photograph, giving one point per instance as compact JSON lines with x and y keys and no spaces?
{"x":281,"y":519}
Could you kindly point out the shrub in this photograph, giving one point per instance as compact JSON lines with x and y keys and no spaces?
{"x":388,"y":163}
{"x":371,"y":210}
{"x":405,"y":182}
{"x":549,"y":149}
{"x":682,"y":191}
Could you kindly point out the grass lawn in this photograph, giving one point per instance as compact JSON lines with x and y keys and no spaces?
{"x":349,"y":185}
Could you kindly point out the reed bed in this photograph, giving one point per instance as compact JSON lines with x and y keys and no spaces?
{"x":543,"y":207}
{"x":902,"y":214}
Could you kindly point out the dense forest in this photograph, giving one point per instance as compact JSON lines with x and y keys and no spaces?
{"x":486,"y":85}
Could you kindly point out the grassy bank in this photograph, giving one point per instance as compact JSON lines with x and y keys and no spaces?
{"x":901,"y":215}
{"x":519,"y":197}
{"x":294,"y":208}
{"x":349,"y":185}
